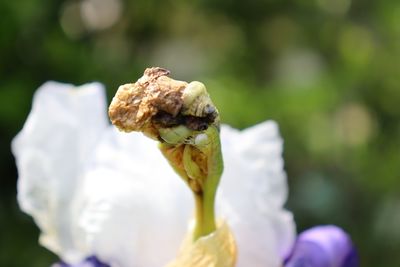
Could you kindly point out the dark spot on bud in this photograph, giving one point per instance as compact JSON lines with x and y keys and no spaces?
{"x":196,"y":123}
{"x":166,"y":120}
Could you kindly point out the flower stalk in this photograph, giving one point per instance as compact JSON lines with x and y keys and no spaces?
{"x":200,"y":165}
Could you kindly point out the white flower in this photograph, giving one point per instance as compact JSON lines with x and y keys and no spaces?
{"x":95,"y":191}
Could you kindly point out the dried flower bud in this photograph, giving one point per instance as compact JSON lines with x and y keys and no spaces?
{"x":156,"y":101}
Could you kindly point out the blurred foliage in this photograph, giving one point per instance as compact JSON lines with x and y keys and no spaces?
{"x":328,"y":71}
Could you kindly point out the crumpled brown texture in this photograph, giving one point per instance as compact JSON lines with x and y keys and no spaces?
{"x":135,"y":104}
{"x":217,"y":249}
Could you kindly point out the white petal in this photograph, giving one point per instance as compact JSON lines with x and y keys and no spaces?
{"x":61,"y":131}
{"x":252,"y":192}
{"x":136,"y":208}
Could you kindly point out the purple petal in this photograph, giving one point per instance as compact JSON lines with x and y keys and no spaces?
{"x":91,"y":261}
{"x":323,"y":246}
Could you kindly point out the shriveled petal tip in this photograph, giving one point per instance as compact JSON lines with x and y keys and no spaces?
{"x":58,"y":137}
{"x":217,"y":249}
{"x":252,"y":193}
{"x":323,"y":246}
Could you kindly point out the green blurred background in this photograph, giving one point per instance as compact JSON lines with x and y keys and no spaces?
{"x":328,"y":71}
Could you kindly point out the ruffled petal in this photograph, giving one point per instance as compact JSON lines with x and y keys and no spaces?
{"x":51,"y":150}
{"x":252,"y":193}
{"x":136,"y":208}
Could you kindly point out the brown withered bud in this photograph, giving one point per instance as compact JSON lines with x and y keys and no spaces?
{"x":135,"y":104}
{"x":156,"y":101}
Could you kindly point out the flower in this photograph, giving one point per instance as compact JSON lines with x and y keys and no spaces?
{"x":323,"y":246}
{"x":95,"y":191}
